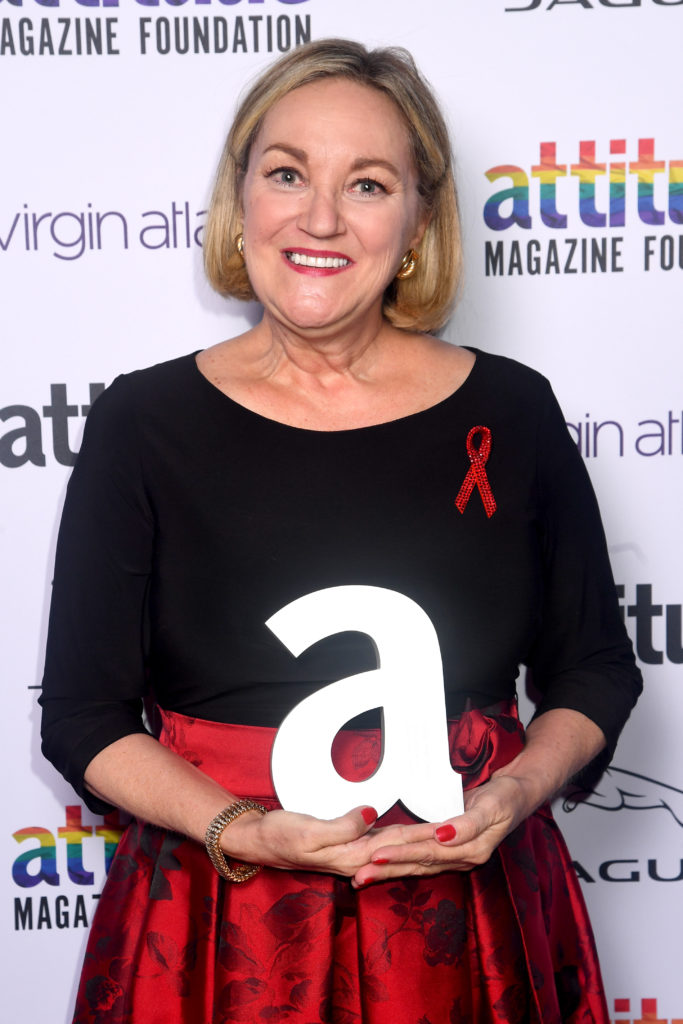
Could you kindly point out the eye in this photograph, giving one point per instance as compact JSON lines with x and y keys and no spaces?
{"x":284,"y":176}
{"x":368,"y":187}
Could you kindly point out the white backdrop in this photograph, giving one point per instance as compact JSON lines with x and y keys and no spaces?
{"x":107,"y":159}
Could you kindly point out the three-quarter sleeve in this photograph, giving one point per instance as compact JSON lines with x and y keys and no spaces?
{"x":583,"y":658}
{"x":94,"y":680}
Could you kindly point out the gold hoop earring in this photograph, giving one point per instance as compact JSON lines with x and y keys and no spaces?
{"x":408,"y":265}
{"x":239,"y":244}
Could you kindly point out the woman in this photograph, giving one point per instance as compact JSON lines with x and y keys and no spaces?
{"x":336,"y":443}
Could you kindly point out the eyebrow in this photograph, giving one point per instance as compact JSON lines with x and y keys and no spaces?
{"x":298,"y":154}
{"x":358,"y":165}
{"x":371,"y":161}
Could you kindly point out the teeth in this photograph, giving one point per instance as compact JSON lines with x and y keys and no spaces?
{"x":325,"y":262}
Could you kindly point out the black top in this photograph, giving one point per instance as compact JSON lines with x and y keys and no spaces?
{"x":190,"y":520}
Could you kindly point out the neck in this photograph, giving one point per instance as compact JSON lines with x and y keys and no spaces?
{"x":319,"y":357}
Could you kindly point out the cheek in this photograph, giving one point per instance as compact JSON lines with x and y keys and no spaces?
{"x":263,"y":215}
{"x":387,"y":246}
{"x":393,"y":232}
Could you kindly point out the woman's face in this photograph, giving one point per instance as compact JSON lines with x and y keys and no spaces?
{"x":330,"y":205}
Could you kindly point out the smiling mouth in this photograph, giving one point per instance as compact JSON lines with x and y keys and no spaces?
{"x":301,"y":259}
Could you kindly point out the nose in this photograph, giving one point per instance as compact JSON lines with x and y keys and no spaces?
{"x":321,"y":216}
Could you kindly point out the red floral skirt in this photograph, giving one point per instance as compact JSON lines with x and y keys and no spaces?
{"x":508,"y":942}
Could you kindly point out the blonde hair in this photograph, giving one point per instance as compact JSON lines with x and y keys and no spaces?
{"x":422,"y":302}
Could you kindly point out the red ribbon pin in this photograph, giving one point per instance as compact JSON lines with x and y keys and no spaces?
{"x":476,"y":474}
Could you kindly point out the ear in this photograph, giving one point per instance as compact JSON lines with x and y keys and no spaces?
{"x":422,"y":225}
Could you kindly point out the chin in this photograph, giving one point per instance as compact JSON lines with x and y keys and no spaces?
{"x":312,"y":319}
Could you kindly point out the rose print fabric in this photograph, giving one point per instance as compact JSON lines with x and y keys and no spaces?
{"x":507,"y":943}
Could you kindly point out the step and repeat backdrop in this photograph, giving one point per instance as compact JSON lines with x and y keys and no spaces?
{"x":566,"y":122}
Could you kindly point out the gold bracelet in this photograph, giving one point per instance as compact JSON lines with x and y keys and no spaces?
{"x":238,"y":872}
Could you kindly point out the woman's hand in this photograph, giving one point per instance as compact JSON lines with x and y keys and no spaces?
{"x":284,"y":839}
{"x":492,"y":811}
{"x":558,"y":744}
{"x":151,"y":782}
{"x":349,"y":846}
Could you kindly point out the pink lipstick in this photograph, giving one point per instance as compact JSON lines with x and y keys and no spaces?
{"x":317,"y":262}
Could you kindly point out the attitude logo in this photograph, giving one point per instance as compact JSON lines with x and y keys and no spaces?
{"x":25,"y":439}
{"x":91,"y":35}
{"x":645,"y":612}
{"x":608,"y":193}
{"x":44,"y":851}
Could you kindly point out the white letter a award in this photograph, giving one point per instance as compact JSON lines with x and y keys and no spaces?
{"x":407,"y":684}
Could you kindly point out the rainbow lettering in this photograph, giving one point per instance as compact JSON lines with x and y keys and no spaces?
{"x":587,"y":170}
{"x":45,"y":853}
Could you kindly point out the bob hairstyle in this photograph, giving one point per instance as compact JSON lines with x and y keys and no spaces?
{"x":422,"y":302}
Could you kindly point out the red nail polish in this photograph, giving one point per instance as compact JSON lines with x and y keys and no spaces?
{"x":369,"y":815}
{"x":379,"y":860}
{"x":444,"y":833}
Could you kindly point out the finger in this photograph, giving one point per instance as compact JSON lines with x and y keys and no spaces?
{"x":463,"y":829}
{"x":451,"y":834}
{"x":344,"y":829}
{"x":431,"y":862}
{"x":388,"y":841}
{"x":402,"y":843}
{"x":402,"y":835}
{"x":454,"y":848}
{"x":288,"y":839}
{"x":424,"y":854}
{"x":363,"y":818}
